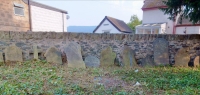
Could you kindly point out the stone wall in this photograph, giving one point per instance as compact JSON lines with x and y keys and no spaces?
{"x":93,"y":44}
{"x":11,"y":22}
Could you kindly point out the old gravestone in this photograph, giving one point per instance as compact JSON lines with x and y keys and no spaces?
{"x":13,"y":54}
{"x":92,"y":61}
{"x":128,"y":58}
{"x":147,"y":61}
{"x":107,"y":57}
{"x":182,"y":57}
{"x":53,"y":55}
{"x":35,"y":50}
{"x":74,"y":57}
{"x":197,"y":61}
{"x":161,"y":54}
{"x":1,"y":57}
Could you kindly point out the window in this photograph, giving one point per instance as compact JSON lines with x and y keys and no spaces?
{"x":105,"y":24}
{"x":18,"y":9}
{"x":106,"y":31}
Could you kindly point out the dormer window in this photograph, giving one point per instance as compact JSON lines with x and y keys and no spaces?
{"x":18,"y":9}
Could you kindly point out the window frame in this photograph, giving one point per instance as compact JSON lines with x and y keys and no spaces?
{"x":19,"y":6}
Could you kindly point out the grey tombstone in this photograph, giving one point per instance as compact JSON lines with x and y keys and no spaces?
{"x":92,"y":61}
{"x":147,"y":61}
{"x":161,"y":54}
{"x":13,"y":54}
{"x":53,"y":55}
{"x":74,"y":56}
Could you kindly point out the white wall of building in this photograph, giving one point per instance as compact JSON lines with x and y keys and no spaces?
{"x":189,"y":30}
{"x":47,"y":20}
{"x":157,"y":16}
{"x":109,"y":27}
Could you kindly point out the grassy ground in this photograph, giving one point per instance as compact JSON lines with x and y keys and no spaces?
{"x":39,"y":77}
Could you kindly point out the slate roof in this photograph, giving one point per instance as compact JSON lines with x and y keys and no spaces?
{"x":118,"y":24}
{"x":153,"y":4}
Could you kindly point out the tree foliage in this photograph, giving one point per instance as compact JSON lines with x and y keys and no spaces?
{"x":189,"y":9}
{"x":134,"y":21}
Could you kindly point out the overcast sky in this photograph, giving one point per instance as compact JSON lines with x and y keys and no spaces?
{"x":91,"y":12}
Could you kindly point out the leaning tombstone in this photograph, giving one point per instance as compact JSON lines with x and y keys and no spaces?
{"x":74,"y":56}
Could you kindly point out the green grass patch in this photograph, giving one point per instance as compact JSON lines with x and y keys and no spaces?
{"x":171,"y":80}
{"x":42,"y":78}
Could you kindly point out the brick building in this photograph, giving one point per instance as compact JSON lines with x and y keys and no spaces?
{"x":28,"y":15}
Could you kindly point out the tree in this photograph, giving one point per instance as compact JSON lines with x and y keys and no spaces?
{"x":189,"y":9}
{"x":134,"y":21}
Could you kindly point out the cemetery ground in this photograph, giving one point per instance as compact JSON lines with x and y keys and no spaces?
{"x":42,"y":78}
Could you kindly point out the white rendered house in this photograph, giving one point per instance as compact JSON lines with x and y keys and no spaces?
{"x":46,"y":18}
{"x":112,"y":25}
{"x":156,"y":22}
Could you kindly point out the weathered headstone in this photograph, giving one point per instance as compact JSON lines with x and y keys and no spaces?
{"x":35,"y":51}
{"x":161,"y":54}
{"x":197,"y":61}
{"x":53,"y":55}
{"x":107,"y":57}
{"x":13,"y":54}
{"x":147,"y":61}
{"x":92,"y":61}
{"x":182,"y":57}
{"x":74,"y":57}
{"x":1,"y":57}
{"x":128,"y":58}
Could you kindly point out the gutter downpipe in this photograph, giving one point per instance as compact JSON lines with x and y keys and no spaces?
{"x":63,"y":22}
{"x":30,"y":20}
{"x":174,"y":30}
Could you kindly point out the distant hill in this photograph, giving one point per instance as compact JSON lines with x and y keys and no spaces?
{"x":81,"y":29}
